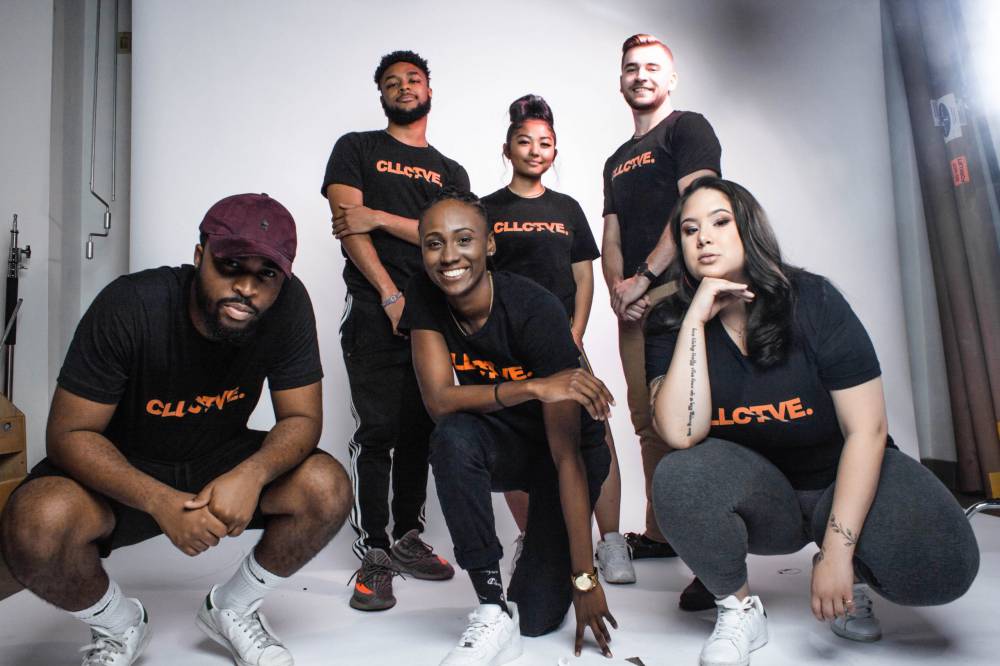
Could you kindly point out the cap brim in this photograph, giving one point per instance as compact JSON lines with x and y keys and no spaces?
{"x":233,"y":246}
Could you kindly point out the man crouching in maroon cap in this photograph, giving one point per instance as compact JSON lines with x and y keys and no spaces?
{"x":147,"y":434}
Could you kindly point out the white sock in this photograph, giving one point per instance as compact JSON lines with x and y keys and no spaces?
{"x":250,"y":583}
{"x":113,"y":611}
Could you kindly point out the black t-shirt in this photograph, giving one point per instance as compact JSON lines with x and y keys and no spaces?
{"x":541,"y":238}
{"x":179,"y":395}
{"x":395,"y":178}
{"x":640,"y":179}
{"x":526,"y":335}
{"x":785,"y":412}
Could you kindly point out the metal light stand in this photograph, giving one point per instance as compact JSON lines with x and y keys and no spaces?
{"x":15,"y":263}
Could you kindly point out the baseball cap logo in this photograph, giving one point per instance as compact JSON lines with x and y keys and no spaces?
{"x":264,"y":225}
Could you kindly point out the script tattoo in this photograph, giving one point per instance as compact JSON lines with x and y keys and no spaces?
{"x":850,"y":538}
{"x":693,"y":362}
{"x":654,"y":390}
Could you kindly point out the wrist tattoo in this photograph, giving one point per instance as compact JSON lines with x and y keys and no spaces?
{"x":850,"y":537}
{"x":693,"y":363}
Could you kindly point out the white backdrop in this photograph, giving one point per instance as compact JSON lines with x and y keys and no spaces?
{"x":233,"y":97}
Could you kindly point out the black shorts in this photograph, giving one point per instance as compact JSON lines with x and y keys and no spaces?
{"x":132,"y":525}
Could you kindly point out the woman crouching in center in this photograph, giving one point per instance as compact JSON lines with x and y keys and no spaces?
{"x":513,"y":422}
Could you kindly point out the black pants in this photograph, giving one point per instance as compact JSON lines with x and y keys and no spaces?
{"x":390,"y":442}
{"x":718,"y":500}
{"x":474,"y":454}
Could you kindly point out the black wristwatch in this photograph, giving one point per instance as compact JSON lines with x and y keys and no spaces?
{"x":644,"y":271}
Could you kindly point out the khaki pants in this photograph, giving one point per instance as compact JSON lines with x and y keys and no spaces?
{"x":632,"y":347}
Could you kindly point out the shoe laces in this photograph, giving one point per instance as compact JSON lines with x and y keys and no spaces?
{"x":415,"y":547}
{"x":617,"y":553}
{"x":479,"y":627}
{"x":729,"y":624}
{"x":375,"y":576}
{"x":103,"y":648}
{"x":252,"y":625}
{"x":862,"y":606}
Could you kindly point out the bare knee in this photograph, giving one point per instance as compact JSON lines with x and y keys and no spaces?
{"x":322,"y":489}
{"x":47,"y":516}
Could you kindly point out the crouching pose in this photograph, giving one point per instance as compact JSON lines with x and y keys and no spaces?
{"x":147,"y":434}
{"x":765,"y":377}
{"x":513,"y":422}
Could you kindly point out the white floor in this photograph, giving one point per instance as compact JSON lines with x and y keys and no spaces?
{"x":312,"y":616}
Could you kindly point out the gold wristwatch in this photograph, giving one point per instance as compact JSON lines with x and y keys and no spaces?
{"x":584,"y":582}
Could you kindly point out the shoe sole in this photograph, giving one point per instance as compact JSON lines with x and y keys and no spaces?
{"x":756,"y":645}
{"x":210,"y":631}
{"x":421,"y":575}
{"x":372,"y":605}
{"x":860,"y":638}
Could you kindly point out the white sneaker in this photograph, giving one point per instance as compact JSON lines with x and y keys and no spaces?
{"x":492,"y":638}
{"x":247,"y":637}
{"x":518,"y":549}
{"x":860,"y":623}
{"x":613,"y":559}
{"x":740,"y":628}
{"x":106,"y":649}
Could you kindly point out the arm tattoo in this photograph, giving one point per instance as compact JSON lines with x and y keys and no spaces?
{"x":850,"y":537}
{"x":693,"y":363}
{"x":654,"y":390}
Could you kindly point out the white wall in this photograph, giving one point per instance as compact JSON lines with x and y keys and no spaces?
{"x":251,"y":97}
{"x":26,"y":82}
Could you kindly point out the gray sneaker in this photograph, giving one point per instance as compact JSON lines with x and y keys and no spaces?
{"x":613,"y":559}
{"x":860,"y":624}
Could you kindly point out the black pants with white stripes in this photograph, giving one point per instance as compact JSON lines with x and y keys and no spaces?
{"x":390,"y":445}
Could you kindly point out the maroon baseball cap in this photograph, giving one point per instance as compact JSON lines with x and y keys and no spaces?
{"x":251,"y":225}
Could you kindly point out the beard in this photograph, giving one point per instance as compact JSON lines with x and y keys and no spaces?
{"x":403,"y":116}
{"x":212,"y":316}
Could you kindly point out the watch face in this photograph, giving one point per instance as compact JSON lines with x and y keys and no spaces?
{"x":583,"y":582}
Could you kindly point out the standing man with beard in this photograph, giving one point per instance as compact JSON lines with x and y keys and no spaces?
{"x":376,"y":183}
{"x":642,"y":181}
{"x":147,"y":434}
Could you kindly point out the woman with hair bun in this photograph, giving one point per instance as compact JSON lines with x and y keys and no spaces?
{"x":544,"y":235}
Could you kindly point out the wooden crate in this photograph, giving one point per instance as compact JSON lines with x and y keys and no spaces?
{"x":13,"y":458}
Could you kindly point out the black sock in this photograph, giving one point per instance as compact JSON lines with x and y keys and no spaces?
{"x":488,"y":584}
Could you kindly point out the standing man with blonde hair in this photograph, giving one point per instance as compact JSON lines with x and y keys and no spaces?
{"x":643,"y":179}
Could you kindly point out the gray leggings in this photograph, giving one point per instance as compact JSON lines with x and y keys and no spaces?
{"x":718,"y":501}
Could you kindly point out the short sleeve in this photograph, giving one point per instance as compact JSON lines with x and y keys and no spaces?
{"x":420,"y":311}
{"x":694,"y":145}
{"x":844,"y":353}
{"x":609,"y":192}
{"x":105,"y":344}
{"x":299,"y":363}
{"x":659,"y":352}
{"x":344,"y":165}
{"x":460,"y":178}
{"x":584,"y":247}
{"x":545,"y":343}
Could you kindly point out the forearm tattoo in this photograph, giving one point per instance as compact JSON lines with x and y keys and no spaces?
{"x":654,"y":390}
{"x":850,"y":537}
{"x":693,"y":363}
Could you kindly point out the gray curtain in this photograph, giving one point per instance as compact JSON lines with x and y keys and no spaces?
{"x":958,"y":196}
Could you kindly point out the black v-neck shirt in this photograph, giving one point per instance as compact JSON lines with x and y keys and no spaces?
{"x":785,"y":412}
{"x":526,"y":335}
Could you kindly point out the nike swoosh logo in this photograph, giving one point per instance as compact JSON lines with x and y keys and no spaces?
{"x":106,"y":607}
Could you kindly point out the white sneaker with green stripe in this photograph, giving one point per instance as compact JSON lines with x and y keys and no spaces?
{"x":107,"y":649}
{"x":247,"y":635}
